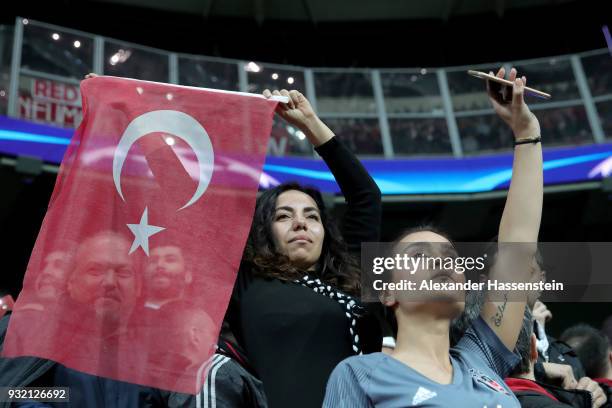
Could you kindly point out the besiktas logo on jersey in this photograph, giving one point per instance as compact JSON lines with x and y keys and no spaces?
{"x":488,"y":381}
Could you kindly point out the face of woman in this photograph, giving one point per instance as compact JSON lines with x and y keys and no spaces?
{"x":431,"y":246}
{"x":297,"y":228}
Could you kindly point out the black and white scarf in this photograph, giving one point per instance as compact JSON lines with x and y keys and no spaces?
{"x":352,"y":309}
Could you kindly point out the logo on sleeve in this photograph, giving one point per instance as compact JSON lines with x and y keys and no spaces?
{"x":488,"y":381}
{"x":422,"y":394}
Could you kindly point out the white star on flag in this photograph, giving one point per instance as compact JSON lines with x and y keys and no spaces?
{"x":142,"y":232}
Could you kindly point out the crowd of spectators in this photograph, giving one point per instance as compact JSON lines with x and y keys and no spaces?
{"x":563,"y":126}
{"x":362,"y":136}
{"x":420,"y":137}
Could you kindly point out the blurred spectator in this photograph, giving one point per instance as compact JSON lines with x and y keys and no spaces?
{"x":194,"y":71}
{"x":604,"y":109}
{"x":167,"y":276}
{"x":183,"y":338}
{"x":550,"y":349}
{"x":362,"y":136}
{"x":484,"y":133}
{"x":189,"y":332}
{"x":598,"y":69}
{"x":102,"y":289}
{"x":565,"y":126}
{"x":584,"y":393}
{"x":50,"y":283}
{"x":560,"y":126}
{"x":286,"y":140}
{"x":420,"y":136}
{"x":411,"y":92}
{"x":595,"y":353}
{"x":104,"y":283}
{"x":346,"y":92}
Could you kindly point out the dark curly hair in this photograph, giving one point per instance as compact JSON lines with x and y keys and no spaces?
{"x":336,"y":267}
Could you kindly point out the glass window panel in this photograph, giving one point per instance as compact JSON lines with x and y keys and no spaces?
{"x":56,"y":52}
{"x":554,"y":76}
{"x":274,"y":78}
{"x":483,"y":133}
{"x":286,"y":140}
{"x":467,"y":92}
{"x":340,"y":92}
{"x":133,"y":62}
{"x":6,"y":48}
{"x":362,"y":136}
{"x":565,"y":126}
{"x":598,"y":70}
{"x":208,"y":74}
{"x":51,"y":102}
{"x":420,"y":136}
{"x":604,"y":109}
{"x":416,"y":93}
{"x":559,"y":126}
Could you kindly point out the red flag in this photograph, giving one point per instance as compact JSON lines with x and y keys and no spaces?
{"x":137,"y":255}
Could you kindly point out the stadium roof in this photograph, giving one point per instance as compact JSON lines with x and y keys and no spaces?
{"x":336,"y":10}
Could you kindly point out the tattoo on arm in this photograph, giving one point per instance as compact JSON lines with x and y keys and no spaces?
{"x":497,"y":319}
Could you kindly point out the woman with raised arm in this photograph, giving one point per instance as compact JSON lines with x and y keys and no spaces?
{"x":294,"y":310}
{"x":423,"y":370}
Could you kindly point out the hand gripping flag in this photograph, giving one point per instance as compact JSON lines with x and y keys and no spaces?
{"x":134,"y":264}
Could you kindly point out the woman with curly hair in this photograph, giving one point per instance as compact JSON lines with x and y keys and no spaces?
{"x":294,"y":310}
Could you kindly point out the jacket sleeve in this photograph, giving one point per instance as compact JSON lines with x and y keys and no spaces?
{"x":363,"y":198}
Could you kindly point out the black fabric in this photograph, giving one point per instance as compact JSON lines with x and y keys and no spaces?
{"x":86,"y":390}
{"x":228,"y":385}
{"x":294,"y":337}
{"x":566,"y":398}
{"x":560,"y":353}
{"x":352,"y":307}
{"x":608,"y":392}
{"x":20,"y":371}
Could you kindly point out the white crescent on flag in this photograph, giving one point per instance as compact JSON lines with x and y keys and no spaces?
{"x":178,"y":124}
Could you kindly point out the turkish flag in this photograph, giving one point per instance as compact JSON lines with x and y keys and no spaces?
{"x":136,"y":259}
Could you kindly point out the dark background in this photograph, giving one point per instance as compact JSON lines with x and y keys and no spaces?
{"x":450,"y":37}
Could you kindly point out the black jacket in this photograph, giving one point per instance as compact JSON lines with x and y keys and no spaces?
{"x":560,"y":353}
{"x":20,"y":371}
{"x":536,"y":398}
{"x":232,"y":385}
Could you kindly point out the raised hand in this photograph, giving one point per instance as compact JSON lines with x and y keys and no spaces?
{"x":510,"y":105}
{"x":541,"y":313}
{"x":561,"y":374}
{"x":299,"y":113}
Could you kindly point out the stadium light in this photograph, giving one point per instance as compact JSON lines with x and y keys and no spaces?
{"x":252,"y":67}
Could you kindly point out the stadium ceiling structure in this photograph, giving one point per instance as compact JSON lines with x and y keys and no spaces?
{"x":336,"y":10}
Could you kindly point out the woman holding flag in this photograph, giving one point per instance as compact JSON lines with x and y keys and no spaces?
{"x":292,"y":310}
